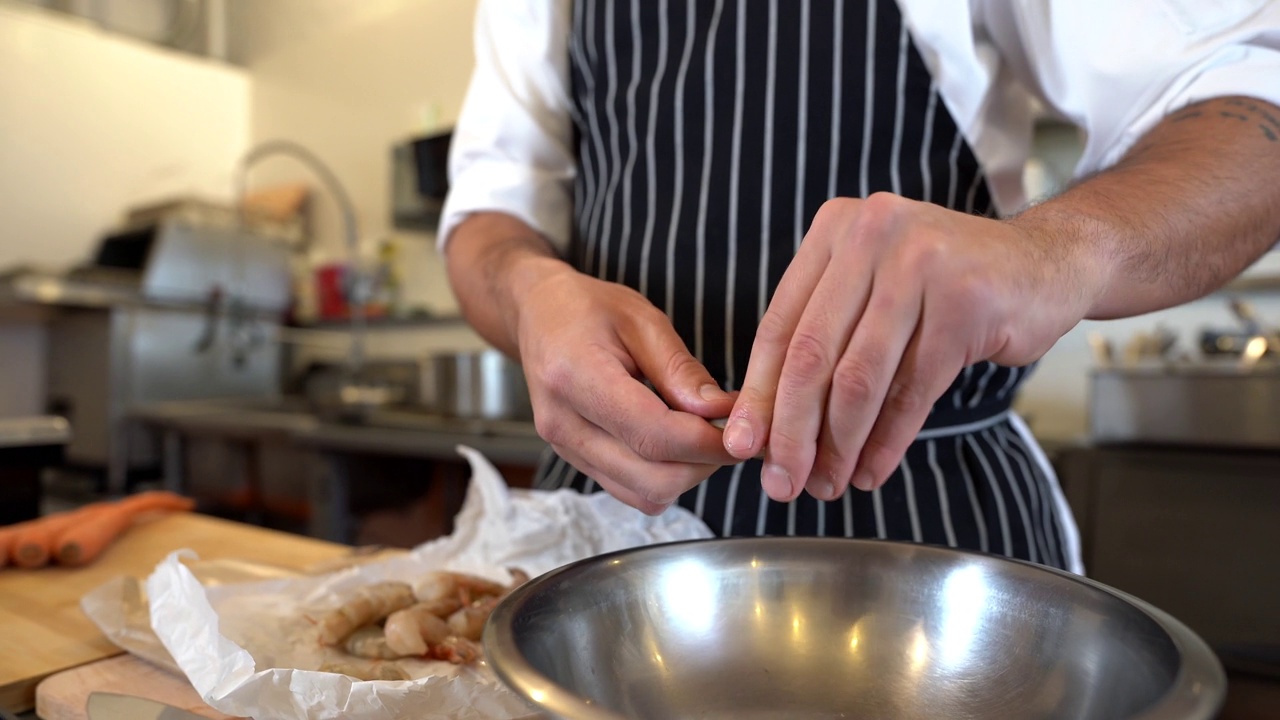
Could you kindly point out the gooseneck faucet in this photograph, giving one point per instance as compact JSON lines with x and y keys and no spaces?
{"x":356,"y":288}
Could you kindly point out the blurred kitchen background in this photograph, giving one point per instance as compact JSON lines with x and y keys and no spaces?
{"x":152,"y":333}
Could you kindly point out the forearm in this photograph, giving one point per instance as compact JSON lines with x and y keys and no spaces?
{"x":493,"y":259}
{"x":1189,"y":207}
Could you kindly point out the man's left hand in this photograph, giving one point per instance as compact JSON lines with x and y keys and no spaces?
{"x":885,"y":302}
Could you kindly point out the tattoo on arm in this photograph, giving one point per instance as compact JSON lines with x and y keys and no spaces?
{"x":1242,"y":110}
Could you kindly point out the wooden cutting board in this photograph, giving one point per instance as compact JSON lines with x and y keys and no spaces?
{"x":43,"y":630}
{"x":63,"y":696}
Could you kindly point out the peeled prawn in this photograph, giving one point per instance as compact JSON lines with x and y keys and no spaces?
{"x":459,"y":651}
{"x":444,"y":585}
{"x":469,"y":621}
{"x":411,"y":630}
{"x":371,"y":604}
{"x":370,"y":642}
{"x":442,"y":607}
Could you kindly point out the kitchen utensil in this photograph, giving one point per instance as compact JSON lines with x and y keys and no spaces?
{"x":1103,"y":353}
{"x":1258,"y":330}
{"x":336,"y":394}
{"x":111,"y":706}
{"x":827,"y":628}
{"x":65,"y":695}
{"x":1150,"y":346}
{"x":1253,"y":352}
{"x":483,"y":385}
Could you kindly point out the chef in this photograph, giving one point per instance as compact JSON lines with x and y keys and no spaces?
{"x":805,"y":217}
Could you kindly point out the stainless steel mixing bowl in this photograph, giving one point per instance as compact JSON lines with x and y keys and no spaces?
{"x":831,"y":628}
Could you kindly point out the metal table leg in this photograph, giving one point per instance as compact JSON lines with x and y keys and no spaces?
{"x":330,"y":501}
{"x":175,"y":479}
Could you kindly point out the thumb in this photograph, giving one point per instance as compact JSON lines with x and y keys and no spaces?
{"x":683,"y":382}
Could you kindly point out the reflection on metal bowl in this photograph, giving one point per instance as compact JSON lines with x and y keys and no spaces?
{"x":834,"y":628}
{"x":484,"y":385}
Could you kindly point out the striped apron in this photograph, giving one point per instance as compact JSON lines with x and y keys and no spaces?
{"x":708,"y":133}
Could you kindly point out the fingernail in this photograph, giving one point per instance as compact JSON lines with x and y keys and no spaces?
{"x":828,"y":491}
{"x":863,"y":480}
{"x":776,"y":481}
{"x":738,"y":436}
{"x":712,"y":393}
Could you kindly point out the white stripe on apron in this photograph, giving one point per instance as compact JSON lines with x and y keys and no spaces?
{"x":1066,"y":521}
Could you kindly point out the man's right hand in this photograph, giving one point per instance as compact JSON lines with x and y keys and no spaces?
{"x":587,"y":346}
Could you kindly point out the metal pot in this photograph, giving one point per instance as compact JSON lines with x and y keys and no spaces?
{"x":484,"y":385}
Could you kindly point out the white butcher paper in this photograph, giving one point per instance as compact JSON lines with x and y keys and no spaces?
{"x":251,"y":649}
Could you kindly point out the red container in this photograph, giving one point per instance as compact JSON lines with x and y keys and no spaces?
{"x":331,"y":291}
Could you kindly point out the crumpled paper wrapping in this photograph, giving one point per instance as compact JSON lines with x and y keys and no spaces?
{"x":250,"y":649}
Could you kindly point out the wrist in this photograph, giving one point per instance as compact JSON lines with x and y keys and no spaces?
{"x":525,"y":276}
{"x":1074,"y":251}
{"x":524,"y":272}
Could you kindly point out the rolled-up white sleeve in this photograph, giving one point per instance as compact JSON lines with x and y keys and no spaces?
{"x":1115,"y":68}
{"x":512,"y":149}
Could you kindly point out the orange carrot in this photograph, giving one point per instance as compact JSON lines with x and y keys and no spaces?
{"x":33,"y":543}
{"x":157,"y":500}
{"x":84,"y":541}
{"x":7,"y":534}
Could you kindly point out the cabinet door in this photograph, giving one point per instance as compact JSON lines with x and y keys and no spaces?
{"x":1196,"y":534}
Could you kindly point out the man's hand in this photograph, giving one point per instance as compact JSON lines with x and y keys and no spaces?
{"x":587,"y":346}
{"x":888,"y":299}
{"x":885,"y":303}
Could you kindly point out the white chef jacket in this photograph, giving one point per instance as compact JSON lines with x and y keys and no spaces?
{"x":1114,"y":68}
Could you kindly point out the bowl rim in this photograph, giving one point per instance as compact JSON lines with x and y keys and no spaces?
{"x":1197,"y":693}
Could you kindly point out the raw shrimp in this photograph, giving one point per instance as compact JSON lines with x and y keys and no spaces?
{"x":371,"y":604}
{"x":456,"y":650}
{"x":370,"y":642}
{"x":411,"y":630}
{"x":442,"y":585}
{"x":469,"y":621}
{"x":442,"y":607}
{"x":366,"y":669}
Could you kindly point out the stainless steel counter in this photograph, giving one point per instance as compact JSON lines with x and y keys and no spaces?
{"x":258,"y":428}
{"x":34,"y":432}
{"x":389,"y":432}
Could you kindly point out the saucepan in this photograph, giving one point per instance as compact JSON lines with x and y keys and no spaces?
{"x":834,"y":628}
{"x":479,"y":385}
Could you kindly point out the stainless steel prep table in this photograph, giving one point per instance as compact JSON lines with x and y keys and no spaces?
{"x":253,"y":425}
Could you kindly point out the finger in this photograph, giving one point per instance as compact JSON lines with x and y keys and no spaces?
{"x":746,"y":432}
{"x":611,"y":463}
{"x":611,"y":399}
{"x":862,"y":379}
{"x":929,"y":365}
{"x":800,"y":406}
{"x":664,"y":360}
{"x":623,"y":494}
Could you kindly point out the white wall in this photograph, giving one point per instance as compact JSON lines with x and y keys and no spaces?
{"x":348,"y":80}
{"x":90,"y":124}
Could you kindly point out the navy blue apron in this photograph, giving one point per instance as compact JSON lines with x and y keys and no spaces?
{"x":708,"y":133}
